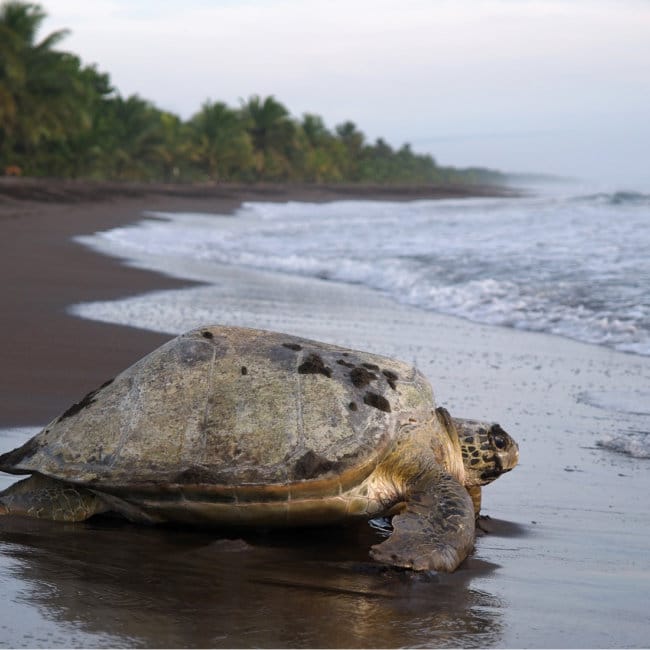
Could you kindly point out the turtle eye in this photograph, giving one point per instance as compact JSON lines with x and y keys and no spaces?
{"x":498,"y":437}
{"x":499,"y":441}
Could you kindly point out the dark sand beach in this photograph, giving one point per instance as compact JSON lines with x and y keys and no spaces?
{"x":565,"y":561}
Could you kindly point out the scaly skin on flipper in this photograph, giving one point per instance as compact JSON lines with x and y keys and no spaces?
{"x":435,"y":531}
{"x":45,"y":498}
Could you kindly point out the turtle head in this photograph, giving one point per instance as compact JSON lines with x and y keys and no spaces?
{"x":488,"y":451}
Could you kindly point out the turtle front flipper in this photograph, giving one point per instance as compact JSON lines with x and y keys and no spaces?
{"x":45,"y":498}
{"x":436,"y":529}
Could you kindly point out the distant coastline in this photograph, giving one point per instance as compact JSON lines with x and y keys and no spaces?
{"x":75,"y":191}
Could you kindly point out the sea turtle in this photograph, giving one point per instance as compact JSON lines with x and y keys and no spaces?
{"x":229,"y":426}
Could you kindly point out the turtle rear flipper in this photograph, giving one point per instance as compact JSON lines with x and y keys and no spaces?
{"x":436,"y":529}
{"x":46,"y":498}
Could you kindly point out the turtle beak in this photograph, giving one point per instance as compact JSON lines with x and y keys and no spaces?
{"x":507,"y":461}
{"x":511,"y":457}
{"x":495,"y":470}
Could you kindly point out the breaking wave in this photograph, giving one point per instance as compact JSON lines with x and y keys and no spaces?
{"x":574,"y":267}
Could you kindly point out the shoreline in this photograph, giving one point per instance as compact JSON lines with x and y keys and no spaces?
{"x":77,"y":191}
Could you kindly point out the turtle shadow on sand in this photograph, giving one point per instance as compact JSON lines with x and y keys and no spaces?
{"x":501,"y":528}
{"x":122,"y":584}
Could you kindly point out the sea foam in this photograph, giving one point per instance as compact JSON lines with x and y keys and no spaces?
{"x":575,"y":267}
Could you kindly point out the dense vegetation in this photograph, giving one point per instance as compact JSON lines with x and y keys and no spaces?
{"x":61,"y":118}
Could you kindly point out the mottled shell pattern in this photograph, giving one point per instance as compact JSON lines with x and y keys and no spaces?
{"x":227,"y":406}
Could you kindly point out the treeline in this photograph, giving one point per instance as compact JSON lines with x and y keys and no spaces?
{"x":60,"y":118}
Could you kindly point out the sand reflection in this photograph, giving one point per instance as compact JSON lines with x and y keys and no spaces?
{"x":109,"y":583}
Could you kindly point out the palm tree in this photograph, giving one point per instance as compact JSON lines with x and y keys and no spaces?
{"x":39,"y":97}
{"x":322,"y":152}
{"x":220,"y":143}
{"x":315,"y":130}
{"x":268,"y":121}
{"x":272,"y":132}
{"x":132,"y":140}
{"x":353,"y":141}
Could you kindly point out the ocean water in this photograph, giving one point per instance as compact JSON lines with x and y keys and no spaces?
{"x":575,"y":264}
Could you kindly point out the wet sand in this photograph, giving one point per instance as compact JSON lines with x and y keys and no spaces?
{"x":565,"y":562}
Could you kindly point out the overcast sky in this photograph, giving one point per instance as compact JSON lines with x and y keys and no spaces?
{"x":559,"y":86}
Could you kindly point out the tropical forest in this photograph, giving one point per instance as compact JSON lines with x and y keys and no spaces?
{"x":62,"y":118}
